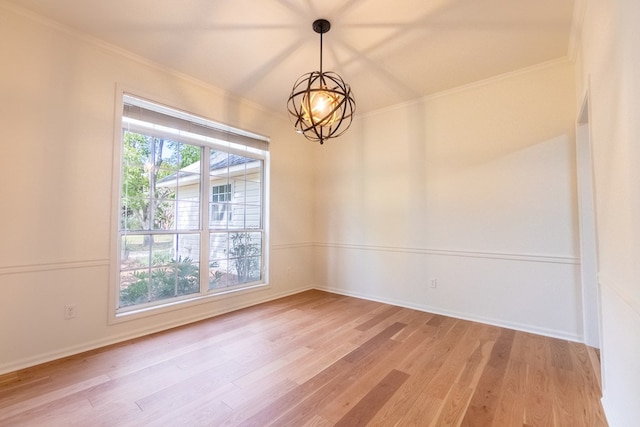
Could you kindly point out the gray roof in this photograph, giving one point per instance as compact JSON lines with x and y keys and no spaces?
{"x":219,"y":160}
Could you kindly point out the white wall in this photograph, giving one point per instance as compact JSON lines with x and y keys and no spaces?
{"x":57,"y":101}
{"x":609,"y":66}
{"x":473,"y":187}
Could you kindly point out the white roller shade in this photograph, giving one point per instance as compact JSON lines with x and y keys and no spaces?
{"x":143,"y":116}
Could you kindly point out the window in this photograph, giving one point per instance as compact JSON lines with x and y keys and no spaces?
{"x":220,"y":198}
{"x":191,"y":208}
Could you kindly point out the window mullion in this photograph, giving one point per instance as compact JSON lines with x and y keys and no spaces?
{"x":205,"y":189}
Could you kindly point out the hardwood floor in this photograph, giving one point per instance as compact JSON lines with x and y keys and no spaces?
{"x":316,"y":359}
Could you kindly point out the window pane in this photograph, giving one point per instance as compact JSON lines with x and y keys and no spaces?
{"x":189,"y":155}
{"x":131,"y":214}
{"x":134,"y":287}
{"x":254,"y":269}
{"x":166,"y":176}
{"x":134,"y":251}
{"x":188,"y":247}
{"x":245,"y":216}
{"x":180,"y":278}
{"x":218,"y":246}
{"x":254,"y":190}
{"x":244,"y":254}
{"x":238,"y":216}
{"x":136,"y":149}
{"x":255,"y":238}
{"x":164,"y":153}
{"x":135,"y":181}
{"x":240,"y":190}
{"x":188,"y":213}
{"x":163,"y":250}
{"x":253,"y":216}
{"x":219,"y":164}
{"x":164,"y":214}
{"x":188,"y":186}
{"x":163,"y":283}
{"x":219,"y":215}
{"x":218,"y":264}
{"x":188,"y":273}
{"x":218,"y":274}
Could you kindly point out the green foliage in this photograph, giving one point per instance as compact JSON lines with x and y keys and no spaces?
{"x":137,"y":292}
{"x":135,"y":181}
{"x":188,"y":276}
{"x":214,"y":276}
{"x":181,"y":277}
{"x":188,"y":154}
{"x":161,"y":258}
{"x":245,"y":256}
{"x":147,"y":160}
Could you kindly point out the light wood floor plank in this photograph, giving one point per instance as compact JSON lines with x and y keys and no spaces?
{"x":367,"y":407}
{"x":350,"y":396}
{"x":407,"y":405}
{"x":316,"y":359}
{"x":510,"y":410}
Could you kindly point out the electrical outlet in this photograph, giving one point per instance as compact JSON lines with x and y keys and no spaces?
{"x":434,"y":283}
{"x":70,"y":311}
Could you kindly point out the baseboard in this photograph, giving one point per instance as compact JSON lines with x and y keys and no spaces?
{"x":7,"y":370}
{"x":458,"y":315}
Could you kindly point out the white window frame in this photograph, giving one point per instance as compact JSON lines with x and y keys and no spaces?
{"x":117,"y":315}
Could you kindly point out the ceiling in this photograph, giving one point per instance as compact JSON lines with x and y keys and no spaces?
{"x":388,"y":51}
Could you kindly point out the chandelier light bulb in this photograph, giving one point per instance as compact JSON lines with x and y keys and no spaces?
{"x":320,"y":107}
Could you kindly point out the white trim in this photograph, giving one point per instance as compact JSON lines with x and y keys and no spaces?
{"x":266,"y":221}
{"x":116,"y":188}
{"x":301,"y":245}
{"x":458,"y":315}
{"x":587,"y":225}
{"x":141,"y":311}
{"x":62,"y":265}
{"x":555,"y":259}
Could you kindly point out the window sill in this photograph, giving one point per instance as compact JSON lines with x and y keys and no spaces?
{"x":145,"y":312}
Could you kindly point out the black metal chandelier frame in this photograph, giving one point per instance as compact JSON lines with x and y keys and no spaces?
{"x":338,"y":119}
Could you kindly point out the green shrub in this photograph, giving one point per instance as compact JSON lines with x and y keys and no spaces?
{"x":245,"y":257}
{"x":182,"y":277}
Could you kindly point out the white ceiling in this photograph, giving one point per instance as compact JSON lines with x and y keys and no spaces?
{"x":388,"y":51}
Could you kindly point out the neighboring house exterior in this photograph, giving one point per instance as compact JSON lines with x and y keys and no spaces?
{"x":235,"y":206}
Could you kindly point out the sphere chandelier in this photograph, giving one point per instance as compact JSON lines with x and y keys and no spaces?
{"x":321,"y":104}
